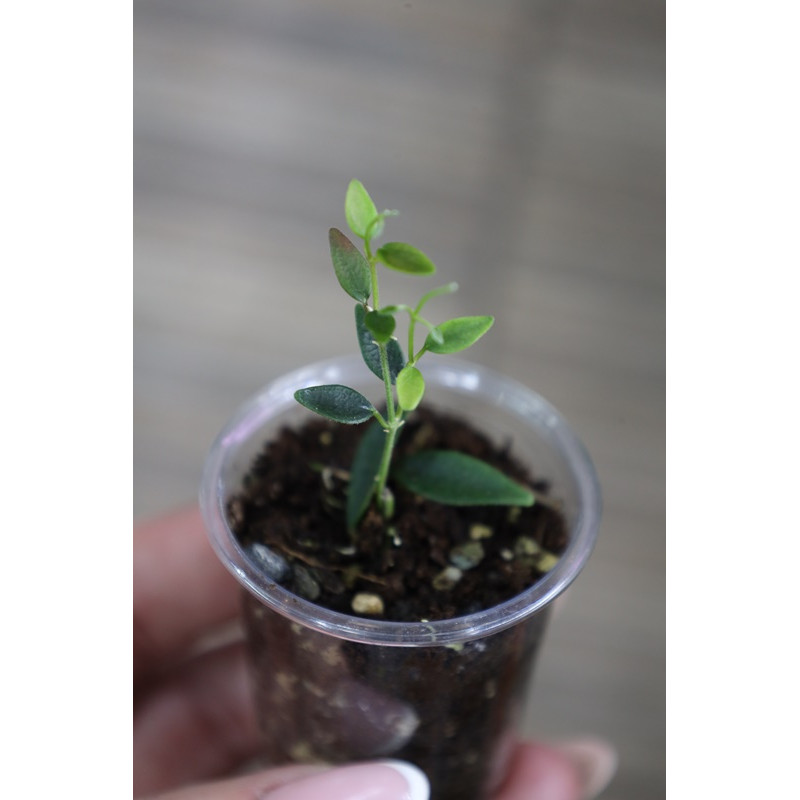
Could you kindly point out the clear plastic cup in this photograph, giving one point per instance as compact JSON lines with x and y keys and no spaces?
{"x":445,"y":694}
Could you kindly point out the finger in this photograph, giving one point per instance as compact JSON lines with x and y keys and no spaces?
{"x":595,"y":759}
{"x":180,"y":588}
{"x":246,"y":787}
{"x":539,"y":772}
{"x":196,"y":724}
{"x":382,"y":780}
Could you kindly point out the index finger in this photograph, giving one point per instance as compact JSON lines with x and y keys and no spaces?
{"x":180,"y":588}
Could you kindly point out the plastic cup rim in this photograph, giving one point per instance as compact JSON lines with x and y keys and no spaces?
{"x":253,"y":414}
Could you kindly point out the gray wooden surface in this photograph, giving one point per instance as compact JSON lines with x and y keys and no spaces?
{"x":523,"y":143}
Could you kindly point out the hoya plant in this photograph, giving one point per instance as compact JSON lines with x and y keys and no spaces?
{"x":445,"y":476}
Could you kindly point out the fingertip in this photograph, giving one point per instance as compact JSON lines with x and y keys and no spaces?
{"x":579,"y":768}
{"x":419,"y":787}
{"x":377,"y":780}
{"x":595,"y":759}
{"x":541,"y":772}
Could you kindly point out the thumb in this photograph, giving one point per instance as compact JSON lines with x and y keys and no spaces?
{"x":378,"y":780}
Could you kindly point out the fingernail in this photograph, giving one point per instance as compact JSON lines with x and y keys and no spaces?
{"x":379,"y":780}
{"x":595,"y":759}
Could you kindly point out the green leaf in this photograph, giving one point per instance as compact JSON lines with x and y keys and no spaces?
{"x":410,"y":388}
{"x":359,"y":210}
{"x":370,"y":351}
{"x":352,"y":269}
{"x":405,"y":258}
{"x":380,"y":325}
{"x":456,"y":479}
{"x":336,"y":402}
{"x":458,"y":334}
{"x":363,"y":473}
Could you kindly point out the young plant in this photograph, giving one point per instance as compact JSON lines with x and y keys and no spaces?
{"x":444,"y":476}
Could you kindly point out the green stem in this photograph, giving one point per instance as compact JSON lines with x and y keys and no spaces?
{"x":383,"y":471}
{"x":373,"y":273}
{"x":411,"y":325}
{"x":381,"y":421}
{"x":393,"y":421}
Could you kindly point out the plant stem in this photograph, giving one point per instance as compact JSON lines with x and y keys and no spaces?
{"x":373,"y":273}
{"x":393,"y":421}
{"x":383,"y":471}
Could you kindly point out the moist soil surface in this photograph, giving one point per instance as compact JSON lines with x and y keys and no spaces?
{"x":430,"y":561}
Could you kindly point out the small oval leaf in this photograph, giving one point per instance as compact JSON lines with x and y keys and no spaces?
{"x":380,"y":325}
{"x":405,"y":258}
{"x":336,"y":402}
{"x":458,"y":334}
{"x":410,"y":388}
{"x":352,"y":269}
{"x":456,"y":479}
{"x":363,"y":473}
{"x":370,"y":351}
{"x":359,"y":210}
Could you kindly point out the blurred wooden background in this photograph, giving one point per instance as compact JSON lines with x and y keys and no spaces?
{"x":523,"y":143}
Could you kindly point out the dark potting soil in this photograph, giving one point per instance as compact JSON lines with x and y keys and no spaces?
{"x":430,"y":561}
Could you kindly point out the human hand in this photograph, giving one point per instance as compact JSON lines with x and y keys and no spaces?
{"x":194,"y":724}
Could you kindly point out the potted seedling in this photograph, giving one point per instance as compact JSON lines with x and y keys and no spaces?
{"x":399,"y":558}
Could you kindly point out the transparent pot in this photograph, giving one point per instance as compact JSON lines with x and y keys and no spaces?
{"x":444,"y":694}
